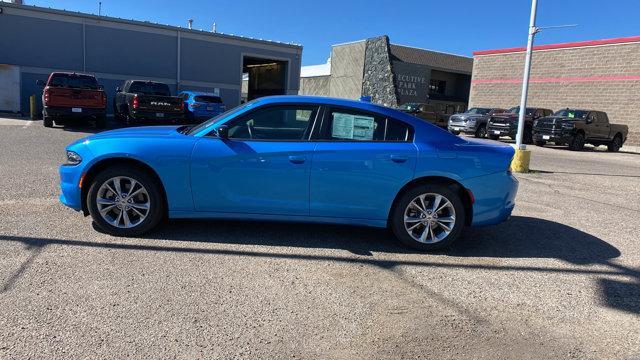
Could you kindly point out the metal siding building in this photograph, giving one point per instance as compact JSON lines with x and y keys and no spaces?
{"x":37,"y":41}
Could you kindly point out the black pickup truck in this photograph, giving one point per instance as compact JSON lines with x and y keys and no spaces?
{"x":576,"y":127}
{"x":139,"y":101}
{"x":506,"y":124}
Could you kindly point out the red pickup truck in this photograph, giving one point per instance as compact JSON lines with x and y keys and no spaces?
{"x":70,"y":97}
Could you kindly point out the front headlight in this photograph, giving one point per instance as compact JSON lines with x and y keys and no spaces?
{"x":535,"y":123}
{"x":73,"y":158}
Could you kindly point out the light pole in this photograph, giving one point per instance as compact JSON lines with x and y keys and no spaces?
{"x":525,"y":78}
{"x":522,"y":157}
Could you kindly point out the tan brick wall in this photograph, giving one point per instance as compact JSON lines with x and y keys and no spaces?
{"x":620,"y":99}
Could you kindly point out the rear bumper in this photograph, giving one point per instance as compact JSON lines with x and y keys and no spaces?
{"x":494,"y":197}
{"x":158,"y":116}
{"x":67,"y":112}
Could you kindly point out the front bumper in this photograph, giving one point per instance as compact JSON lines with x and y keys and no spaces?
{"x":497,"y":130}
{"x":558,"y":137}
{"x":70,"y":191}
{"x":462,"y":128}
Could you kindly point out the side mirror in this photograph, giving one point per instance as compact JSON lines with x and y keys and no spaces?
{"x":223,"y":132}
{"x":588,"y":120}
{"x":118,"y":89}
{"x":100,"y":87}
{"x":41,"y":82}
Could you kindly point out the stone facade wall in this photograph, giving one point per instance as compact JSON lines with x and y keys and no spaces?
{"x":605,"y":77}
{"x":315,"y":85}
{"x":347,"y":64}
{"x":378,"y":81}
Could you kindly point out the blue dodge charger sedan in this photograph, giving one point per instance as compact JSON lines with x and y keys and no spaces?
{"x":294,"y":158}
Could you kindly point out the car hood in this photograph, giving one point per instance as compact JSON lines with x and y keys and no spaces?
{"x":131,"y":132}
{"x":465,"y":117}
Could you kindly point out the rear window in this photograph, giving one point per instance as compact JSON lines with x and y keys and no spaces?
{"x":207,"y":99}
{"x":149,"y":88}
{"x":73,"y":81}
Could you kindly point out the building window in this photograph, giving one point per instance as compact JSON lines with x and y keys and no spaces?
{"x":437,"y":86}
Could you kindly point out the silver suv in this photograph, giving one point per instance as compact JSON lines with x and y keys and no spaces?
{"x":472,"y":121}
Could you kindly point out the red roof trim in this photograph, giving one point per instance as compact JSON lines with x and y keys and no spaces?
{"x":621,"y":40}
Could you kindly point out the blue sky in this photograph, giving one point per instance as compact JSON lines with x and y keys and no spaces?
{"x":455,"y":26}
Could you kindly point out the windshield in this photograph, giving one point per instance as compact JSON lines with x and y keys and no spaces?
{"x":221,"y":116}
{"x":572,"y":113}
{"x":149,"y":88}
{"x":516,"y":110}
{"x":479,"y":111}
{"x":410,"y":106}
{"x":74,"y":81}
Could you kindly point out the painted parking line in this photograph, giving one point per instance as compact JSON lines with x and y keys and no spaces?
{"x":15,"y":122}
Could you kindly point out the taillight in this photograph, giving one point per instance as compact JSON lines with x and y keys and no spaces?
{"x":194,"y":105}
{"x":134,"y":102}
{"x":47,"y":95}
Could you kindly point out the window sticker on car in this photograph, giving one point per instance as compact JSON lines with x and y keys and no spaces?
{"x":571,"y":115}
{"x":355,"y":127}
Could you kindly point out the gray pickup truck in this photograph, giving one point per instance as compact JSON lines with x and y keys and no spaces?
{"x":472,"y":121}
{"x":577,"y":127}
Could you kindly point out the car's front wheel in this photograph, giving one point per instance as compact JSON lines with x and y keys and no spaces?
{"x":428,"y":217}
{"x":125,"y":201}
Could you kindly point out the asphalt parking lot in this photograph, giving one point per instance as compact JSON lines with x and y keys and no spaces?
{"x":561,"y":279}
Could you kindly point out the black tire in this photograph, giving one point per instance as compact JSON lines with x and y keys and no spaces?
{"x":481,"y":131}
{"x":540,"y":143}
{"x":615,"y":144}
{"x":527,"y":137}
{"x":47,"y":121}
{"x":101,"y":122}
{"x":577,"y":142}
{"x":494,"y":137}
{"x":397,"y":216}
{"x":156,"y":203}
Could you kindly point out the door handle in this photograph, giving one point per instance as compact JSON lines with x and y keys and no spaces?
{"x":297,"y":159}
{"x":399,"y":158}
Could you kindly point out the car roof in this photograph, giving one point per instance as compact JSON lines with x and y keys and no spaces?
{"x":198,"y":93}
{"x":70,"y":73}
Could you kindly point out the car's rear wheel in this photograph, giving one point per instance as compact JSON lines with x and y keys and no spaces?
{"x":47,"y":121}
{"x":428,"y":217}
{"x":125,"y":201}
{"x":101,"y":122}
{"x":615,"y":144}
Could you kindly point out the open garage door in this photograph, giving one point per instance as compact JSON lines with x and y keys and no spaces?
{"x":9,"y":88}
{"x":264,"y":76}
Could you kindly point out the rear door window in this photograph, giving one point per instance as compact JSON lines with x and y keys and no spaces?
{"x":207,"y":99}
{"x":353,"y":125}
{"x":149,"y":88}
{"x":73,"y":81}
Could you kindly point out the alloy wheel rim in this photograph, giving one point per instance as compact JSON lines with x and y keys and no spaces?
{"x":123,"y":202}
{"x":429,"y":218}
